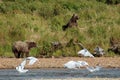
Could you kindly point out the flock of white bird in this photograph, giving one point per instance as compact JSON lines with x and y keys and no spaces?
{"x":70,"y":64}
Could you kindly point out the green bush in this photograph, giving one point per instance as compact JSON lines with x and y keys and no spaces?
{"x":58,"y":53}
{"x":6,"y":51}
{"x":46,"y":11}
{"x":56,"y":24}
{"x":17,"y":33}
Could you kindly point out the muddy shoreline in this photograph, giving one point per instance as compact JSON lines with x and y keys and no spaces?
{"x":106,"y":62}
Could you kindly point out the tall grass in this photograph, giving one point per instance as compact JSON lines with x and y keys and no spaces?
{"x":41,"y":21}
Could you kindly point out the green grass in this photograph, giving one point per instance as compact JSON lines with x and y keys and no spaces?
{"x":42,"y":20}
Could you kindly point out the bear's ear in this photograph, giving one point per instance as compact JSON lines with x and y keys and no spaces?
{"x":76,"y":17}
{"x":33,"y":43}
{"x":73,"y":14}
{"x":28,"y":42}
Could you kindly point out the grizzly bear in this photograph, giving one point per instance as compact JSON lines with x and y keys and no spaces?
{"x":21,"y":49}
{"x":114,"y":45}
{"x":72,"y":22}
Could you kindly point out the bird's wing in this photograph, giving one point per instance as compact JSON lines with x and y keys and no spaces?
{"x":93,"y":69}
{"x":23,"y":64}
{"x":70,"y":65}
{"x":89,"y":54}
{"x":90,"y":69}
{"x":32,"y":60}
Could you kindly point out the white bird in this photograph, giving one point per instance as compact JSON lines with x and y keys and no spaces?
{"x":81,"y":64}
{"x":78,"y":64}
{"x":21,"y":69}
{"x":23,"y":64}
{"x":98,"y":51}
{"x":70,"y":65}
{"x":85,"y":52}
{"x":93,"y":69}
{"x":32,"y":60}
{"x":75,"y":64}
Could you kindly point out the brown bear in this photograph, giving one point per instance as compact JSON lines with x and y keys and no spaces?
{"x":72,"y":22}
{"x":114,"y":45}
{"x":21,"y":49}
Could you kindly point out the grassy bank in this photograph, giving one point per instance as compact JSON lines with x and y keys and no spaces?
{"x":42,"y":20}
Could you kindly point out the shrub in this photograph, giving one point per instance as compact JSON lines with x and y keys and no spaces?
{"x":17,"y":33}
{"x":46,"y":11}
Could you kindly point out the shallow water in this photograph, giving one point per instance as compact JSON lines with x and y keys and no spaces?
{"x":53,"y":73}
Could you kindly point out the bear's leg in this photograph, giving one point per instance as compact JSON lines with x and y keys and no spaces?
{"x":22,"y":55}
{"x":27,"y":54}
{"x":64,"y":27}
{"x":18,"y":55}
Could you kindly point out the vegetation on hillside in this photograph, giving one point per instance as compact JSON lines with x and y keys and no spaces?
{"x":42,"y":21}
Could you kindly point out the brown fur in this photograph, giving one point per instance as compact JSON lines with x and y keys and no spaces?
{"x":71,"y":23}
{"x":56,"y":46}
{"x":20,"y":48}
{"x":114,"y":45}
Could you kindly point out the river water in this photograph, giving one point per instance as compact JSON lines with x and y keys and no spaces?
{"x":54,"y":73}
